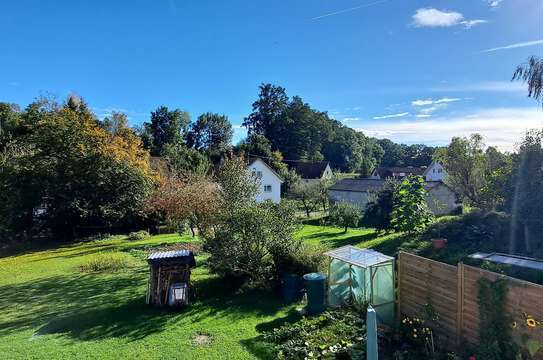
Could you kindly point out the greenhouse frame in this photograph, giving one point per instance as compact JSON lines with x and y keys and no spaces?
{"x":364,"y":277}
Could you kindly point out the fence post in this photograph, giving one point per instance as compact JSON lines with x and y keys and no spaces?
{"x":460,"y":304}
{"x":399,"y":312}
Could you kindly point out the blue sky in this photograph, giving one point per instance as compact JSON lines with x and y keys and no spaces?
{"x":412,"y":71}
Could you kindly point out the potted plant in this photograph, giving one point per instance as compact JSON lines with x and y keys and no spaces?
{"x":439,"y":242}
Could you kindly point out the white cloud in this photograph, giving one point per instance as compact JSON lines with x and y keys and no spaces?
{"x":431,"y":17}
{"x":426,"y":102}
{"x":471,"y":23}
{"x":424,"y":115}
{"x":501,"y":127}
{"x":483,"y":86}
{"x":515,"y":46}
{"x":391,"y":116}
{"x":494,"y":3}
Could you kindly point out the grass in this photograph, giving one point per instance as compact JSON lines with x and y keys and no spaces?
{"x":52,"y":310}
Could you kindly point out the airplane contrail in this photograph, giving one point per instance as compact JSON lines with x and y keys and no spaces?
{"x":349,"y":9}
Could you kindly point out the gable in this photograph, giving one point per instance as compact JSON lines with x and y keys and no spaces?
{"x":261,"y":165}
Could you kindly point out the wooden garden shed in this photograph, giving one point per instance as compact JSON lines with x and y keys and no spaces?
{"x":169,"y":277}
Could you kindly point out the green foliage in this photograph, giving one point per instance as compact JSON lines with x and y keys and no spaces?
{"x":526,"y":201}
{"x":252,"y":240}
{"x":345,"y":215}
{"x":105,"y":262}
{"x":184,"y":161}
{"x":410,"y":213}
{"x":69,"y":172}
{"x":478,"y":177}
{"x":532,"y":74}
{"x":405,"y":155}
{"x":284,"y":122}
{"x":378,"y":212}
{"x":309,"y":194}
{"x":307,"y":259}
{"x":211,"y":133}
{"x":335,"y":334}
{"x":165,"y":127}
{"x":494,"y":324}
{"x":138,"y":235}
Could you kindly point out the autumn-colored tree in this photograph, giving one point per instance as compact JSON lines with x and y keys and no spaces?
{"x":75,"y":173}
{"x":191,"y":201}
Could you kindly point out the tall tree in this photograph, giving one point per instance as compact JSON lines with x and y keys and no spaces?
{"x":166,"y":127}
{"x":74,"y":173}
{"x":10,"y":119}
{"x":270,"y":106}
{"x":532,"y":74}
{"x":527,"y":198}
{"x":211,"y":133}
{"x":466,"y":165}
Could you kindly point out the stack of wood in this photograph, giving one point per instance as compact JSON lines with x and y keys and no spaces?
{"x":168,"y":268}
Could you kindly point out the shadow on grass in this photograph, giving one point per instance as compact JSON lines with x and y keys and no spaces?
{"x":262,"y":349}
{"x":94,"y":307}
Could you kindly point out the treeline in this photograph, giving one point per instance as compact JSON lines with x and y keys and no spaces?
{"x":64,"y":172}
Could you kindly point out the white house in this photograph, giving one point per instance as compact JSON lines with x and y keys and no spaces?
{"x":435,"y":172}
{"x":270,"y":181}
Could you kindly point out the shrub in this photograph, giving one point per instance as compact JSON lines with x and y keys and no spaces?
{"x":252,"y":240}
{"x":335,"y":334}
{"x":410,"y":212}
{"x":138,"y":235}
{"x":307,"y":259}
{"x":345,"y":215}
{"x":105,"y":262}
{"x":377,"y":214}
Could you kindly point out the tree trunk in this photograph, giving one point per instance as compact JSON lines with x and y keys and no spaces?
{"x":346,"y":228}
{"x":307,"y":210}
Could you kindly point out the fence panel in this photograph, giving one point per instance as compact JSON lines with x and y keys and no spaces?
{"x":452,"y":292}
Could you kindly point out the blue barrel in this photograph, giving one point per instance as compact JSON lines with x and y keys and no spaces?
{"x":291,"y":288}
{"x":315,"y":286}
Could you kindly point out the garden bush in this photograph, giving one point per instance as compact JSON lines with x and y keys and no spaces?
{"x":138,"y":235}
{"x":252,"y":241}
{"x":345,"y":215}
{"x":307,"y":259}
{"x":335,"y":334}
{"x":105,"y":262}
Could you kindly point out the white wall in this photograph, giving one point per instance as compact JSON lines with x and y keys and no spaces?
{"x":435,"y":172}
{"x":268,"y":178}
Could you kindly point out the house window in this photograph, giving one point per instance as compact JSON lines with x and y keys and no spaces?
{"x":440,"y":171}
{"x":259,"y":174}
{"x":267,"y":188}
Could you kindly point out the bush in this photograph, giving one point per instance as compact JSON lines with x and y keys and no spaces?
{"x":251,"y":241}
{"x":345,"y":215}
{"x":335,"y":334}
{"x":138,"y":235}
{"x":106,"y":262}
{"x":307,"y":259}
{"x":377,"y":214}
{"x":410,"y":213}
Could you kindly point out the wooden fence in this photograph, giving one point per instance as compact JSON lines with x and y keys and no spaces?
{"x":451,"y":291}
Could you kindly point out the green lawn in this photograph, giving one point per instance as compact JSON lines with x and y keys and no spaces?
{"x":49,"y":309}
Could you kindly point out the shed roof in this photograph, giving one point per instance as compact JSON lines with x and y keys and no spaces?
{"x":359,"y":185}
{"x":359,"y":257}
{"x":181,"y":257}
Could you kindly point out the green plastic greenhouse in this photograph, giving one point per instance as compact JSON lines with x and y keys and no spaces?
{"x":362,"y":276}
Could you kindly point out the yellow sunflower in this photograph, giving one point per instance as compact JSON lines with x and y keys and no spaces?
{"x":531,"y":322}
